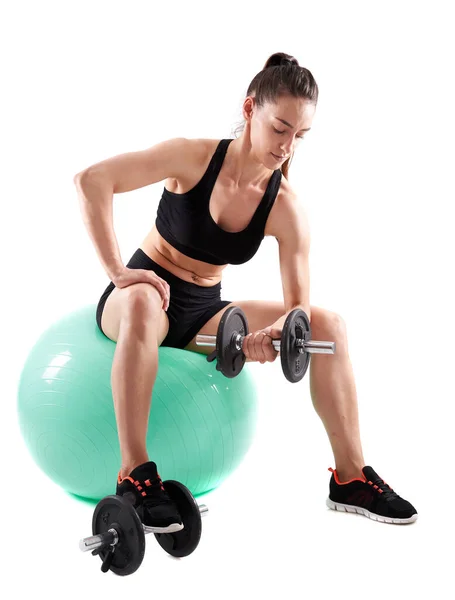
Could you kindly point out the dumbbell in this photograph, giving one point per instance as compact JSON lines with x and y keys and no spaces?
{"x":295,"y":345}
{"x":119,"y":534}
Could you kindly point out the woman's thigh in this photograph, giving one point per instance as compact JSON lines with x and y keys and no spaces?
{"x":116,"y":305}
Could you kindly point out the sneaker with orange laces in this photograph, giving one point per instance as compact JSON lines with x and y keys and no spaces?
{"x":144,"y":488}
{"x":371,"y":497}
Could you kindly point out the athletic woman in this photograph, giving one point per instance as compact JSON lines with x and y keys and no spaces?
{"x":220,"y":198}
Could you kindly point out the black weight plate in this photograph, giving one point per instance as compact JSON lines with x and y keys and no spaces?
{"x":230,"y":360}
{"x":294,"y":363}
{"x":184,"y":542}
{"x":117,"y":513}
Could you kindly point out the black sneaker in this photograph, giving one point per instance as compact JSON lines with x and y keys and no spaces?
{"x":371,"y":497}
{"x":144,"y":489}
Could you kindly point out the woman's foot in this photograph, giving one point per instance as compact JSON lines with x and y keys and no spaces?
{"x":144,"y":488}
{"x":370,"y":496}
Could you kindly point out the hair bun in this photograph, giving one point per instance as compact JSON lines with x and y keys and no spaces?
{"x":280,"y":59}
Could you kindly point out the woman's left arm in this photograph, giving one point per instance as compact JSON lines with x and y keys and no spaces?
{"x":292,"y":231}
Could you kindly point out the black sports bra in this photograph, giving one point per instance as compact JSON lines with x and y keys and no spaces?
{"x":184,"y":220}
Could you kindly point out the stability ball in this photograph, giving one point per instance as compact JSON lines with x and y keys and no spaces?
{"x":200,"y":428}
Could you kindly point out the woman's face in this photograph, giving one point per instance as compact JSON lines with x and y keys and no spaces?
{"x":277,"y":129}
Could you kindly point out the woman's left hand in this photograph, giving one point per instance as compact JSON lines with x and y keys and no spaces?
{"x":257,"y":345}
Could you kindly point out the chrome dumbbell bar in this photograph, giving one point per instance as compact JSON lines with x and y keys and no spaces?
{"x":312,"y":347}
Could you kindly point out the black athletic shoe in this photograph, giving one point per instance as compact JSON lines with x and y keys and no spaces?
{"x":371,"y":497}
{"x":144,"y":488}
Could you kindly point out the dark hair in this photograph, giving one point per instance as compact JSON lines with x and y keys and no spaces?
{"x":282,"y":75}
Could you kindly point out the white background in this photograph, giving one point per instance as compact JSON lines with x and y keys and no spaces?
{"x":83,"y":81}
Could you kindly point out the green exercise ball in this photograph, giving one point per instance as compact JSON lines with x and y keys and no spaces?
{"x":201,"y":423}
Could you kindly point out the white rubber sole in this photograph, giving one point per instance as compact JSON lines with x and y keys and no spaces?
{"x":366,"y":513}
{"x":170,"y":529}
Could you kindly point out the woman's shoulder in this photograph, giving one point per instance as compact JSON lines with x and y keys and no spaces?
{"x":287,"y":207}
{"x":203,"y":146}
{"x":199,"y":152}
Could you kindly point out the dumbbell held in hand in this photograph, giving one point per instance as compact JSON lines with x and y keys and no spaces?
{"x":295,"y":344}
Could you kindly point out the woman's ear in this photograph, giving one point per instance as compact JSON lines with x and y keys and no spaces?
{"x":248,"y":106}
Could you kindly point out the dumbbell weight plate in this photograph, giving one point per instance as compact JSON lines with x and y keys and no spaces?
{"x":184,"y":542}
{"x":293,"y":362}
{"x":230,"y":360}
{"x":114,"y":512}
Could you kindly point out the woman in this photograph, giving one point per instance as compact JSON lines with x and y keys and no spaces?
{"x":221,"y":197}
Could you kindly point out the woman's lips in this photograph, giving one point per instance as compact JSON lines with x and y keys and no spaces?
{"x":278,"y":157}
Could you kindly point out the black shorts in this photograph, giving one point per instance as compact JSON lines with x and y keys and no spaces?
{"x":190,"y":305}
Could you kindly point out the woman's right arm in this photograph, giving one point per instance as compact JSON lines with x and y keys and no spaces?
{"x":97,"y":185}
{"x":96,"y":204}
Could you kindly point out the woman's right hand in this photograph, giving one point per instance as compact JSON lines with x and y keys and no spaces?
{"x":129,"y":276}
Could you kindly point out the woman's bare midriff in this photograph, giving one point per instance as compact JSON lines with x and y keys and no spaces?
{"x":188,"y":269}
{"x":231,"y":208}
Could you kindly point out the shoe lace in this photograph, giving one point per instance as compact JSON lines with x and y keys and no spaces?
{"x":386,"y":491}
{"x":155,"y":492}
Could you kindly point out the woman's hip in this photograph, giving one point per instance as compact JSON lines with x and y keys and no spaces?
{"x":188,"y":306}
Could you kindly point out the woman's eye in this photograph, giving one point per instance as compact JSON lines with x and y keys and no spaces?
{"x":299,"y":137}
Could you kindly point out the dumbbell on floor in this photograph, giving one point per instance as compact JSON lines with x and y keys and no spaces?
{"x":295,"y":345}
{"x":119,"y":535}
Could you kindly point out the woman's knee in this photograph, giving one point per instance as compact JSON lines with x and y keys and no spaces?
{"x":327,"y":325}
{"x":142,"y":303}
{"x":135,"y":305}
